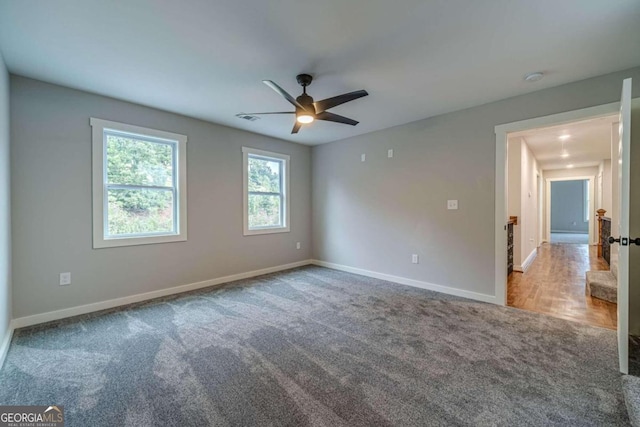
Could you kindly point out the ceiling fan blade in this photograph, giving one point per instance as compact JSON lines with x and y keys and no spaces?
{"x":296,"y":127}
{"x":330,"y":117}
{"x":271,"y":112}
{"x":325,"y":104}
{"x":283,"y":93}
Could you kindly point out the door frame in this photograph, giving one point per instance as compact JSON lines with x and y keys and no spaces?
{"x":501,"y":212}
{"x":541,"y":238}
{"x":592,"y":205}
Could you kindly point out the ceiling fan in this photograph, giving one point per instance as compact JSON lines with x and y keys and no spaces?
{"x":307,"y":110}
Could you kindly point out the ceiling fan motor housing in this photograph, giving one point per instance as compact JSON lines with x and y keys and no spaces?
{"x":304,"y":79}
{"x":307,"y":102}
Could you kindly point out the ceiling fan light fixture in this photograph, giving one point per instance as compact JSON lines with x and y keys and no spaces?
{"x":305,"y":118}
{"x":308,"y":111}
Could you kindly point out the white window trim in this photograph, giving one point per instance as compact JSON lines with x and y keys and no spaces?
{"x":586,"y":191}
{"x":98,"y":168}
{"x":246,"y":151}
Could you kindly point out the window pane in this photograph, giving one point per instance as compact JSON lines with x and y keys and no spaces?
{"x":139,"y":212}
{"x":137,"y":162}
{"x":264,"y":211}
{"x":264,"y":175}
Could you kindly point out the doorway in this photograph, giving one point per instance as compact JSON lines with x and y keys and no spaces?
{"x":558,"y":241}
{"x":569,"y":207}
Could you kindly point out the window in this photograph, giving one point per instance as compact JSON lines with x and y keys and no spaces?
{"x":266,"y":192}
{"x":139,"y":185}
{"x":586,"y":198}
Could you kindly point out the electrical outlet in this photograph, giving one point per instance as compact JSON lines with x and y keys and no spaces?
{"x":452,"y":204}
{"x":363,"y":157}
{"x":65,"y":279}
{"x":389,"y":153}
{"x":298,"y":245}
{"x":414,"y":259}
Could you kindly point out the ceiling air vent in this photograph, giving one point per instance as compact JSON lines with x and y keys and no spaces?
{"x":247,"y":117}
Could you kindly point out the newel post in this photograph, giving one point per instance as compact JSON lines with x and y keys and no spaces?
{"x":600,"y":213}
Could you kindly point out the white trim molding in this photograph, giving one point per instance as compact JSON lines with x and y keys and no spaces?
{"x":4,"y":345}
{"x":527,"y":262}
{"x":36,"y":319}
{"x":409,"y":282}
{"x":501,"y":215}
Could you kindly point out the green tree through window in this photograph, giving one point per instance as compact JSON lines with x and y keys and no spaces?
{"x":265,"y":192}
{"x":139,"y":185}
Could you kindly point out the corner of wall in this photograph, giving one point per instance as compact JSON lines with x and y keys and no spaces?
{"x":5,"y":215}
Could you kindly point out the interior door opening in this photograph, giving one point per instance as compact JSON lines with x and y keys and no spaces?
{"x":555,"y":244}
{"x":557,"y":166}
{"x":618,"y":175}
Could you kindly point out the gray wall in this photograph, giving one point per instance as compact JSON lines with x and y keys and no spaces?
{"x":51,"y":185}
{"x":374,"y":215}
{"x":5,"y":205}
{"x":567,"y":207}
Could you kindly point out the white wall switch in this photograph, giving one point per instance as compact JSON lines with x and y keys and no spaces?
{"x":363,"y":157}
{"x":452,"y":204}
{"x":65,"y":279}
{"x":298,"y":245}
{"x":414,"y":259}
{"x":389,"y":153}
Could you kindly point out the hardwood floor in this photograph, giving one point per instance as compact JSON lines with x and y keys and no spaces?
{"x":554,"y":284}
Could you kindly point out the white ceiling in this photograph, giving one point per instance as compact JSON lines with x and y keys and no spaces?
{"x":417,"y":58}
{"x":588,"y":144}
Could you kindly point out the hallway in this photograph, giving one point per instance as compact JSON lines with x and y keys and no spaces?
{"x":555,"y":285}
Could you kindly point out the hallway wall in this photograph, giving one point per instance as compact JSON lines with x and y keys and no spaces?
{"x":522,"y":200}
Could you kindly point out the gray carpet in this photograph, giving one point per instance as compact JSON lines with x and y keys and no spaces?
{"x":631,"y":391}
{"x":313,"y":346}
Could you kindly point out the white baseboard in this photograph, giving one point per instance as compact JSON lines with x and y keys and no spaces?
{"x":35,"y":319}
{"x":527,"y":262}
{"x":409,"y":282}
{"x":4,"y":346}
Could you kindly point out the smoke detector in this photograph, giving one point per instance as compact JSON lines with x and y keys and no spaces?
{"x":533,"y":77}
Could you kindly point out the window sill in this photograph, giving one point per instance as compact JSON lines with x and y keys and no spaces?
{"x":136,"y":241}
{"x":266,"y":231}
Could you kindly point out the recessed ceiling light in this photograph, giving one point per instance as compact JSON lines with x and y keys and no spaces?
{"x":564,"y":155}
{"x":569,"y":166}
{"x":533,"y":77}
{"x":564,"y":137}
